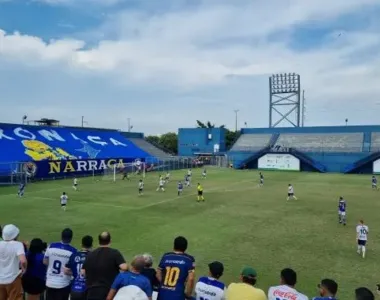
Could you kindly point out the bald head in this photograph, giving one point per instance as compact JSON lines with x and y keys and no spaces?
{"x":104,"y":238}
{"x":138,"y":263}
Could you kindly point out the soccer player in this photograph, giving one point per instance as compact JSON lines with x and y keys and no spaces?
{"x":161,"y":185}
{"x":261,"y":179}
{"x":374,"y":183}
{"x":126,"y":175}
{"x":74,"y":267}
{"x":56,"y":258}
{"x":180,"y":188}
{"x":362,"y":237}
{"x":189,"y":173}
{"x":187,"y":180}
{"x":200,"y":193}
{"x":176,"y":273}
{"x":64,"y":199}
{"x":291,"y":193}
{"x":342,"y":211}
{"x":75,"y":184}
{"x":141,"y":187}
{"x":287,"y":286}
{"x":204,"y":173}
{"x":209,"y":287}
{"x":21,"y":189}
{"x":167,"y":177}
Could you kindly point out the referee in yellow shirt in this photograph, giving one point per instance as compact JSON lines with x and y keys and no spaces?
{"x":200,"y":193}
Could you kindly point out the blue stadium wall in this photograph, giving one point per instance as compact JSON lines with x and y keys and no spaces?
{"x":200,"y":140}
{"x":86,"y":149}
{"x":328,"y":161}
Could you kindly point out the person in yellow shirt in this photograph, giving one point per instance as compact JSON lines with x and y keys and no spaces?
{"x":200,"y":193}
{"x":245,"y":290}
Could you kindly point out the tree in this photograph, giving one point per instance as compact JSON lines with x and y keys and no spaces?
{"x":169,"y":141}
{"x":154,"y":139}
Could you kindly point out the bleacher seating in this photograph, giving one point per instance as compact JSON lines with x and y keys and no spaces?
{"x":150,"y":148}
{"x":251,"y":142}
{"x":323,"y":142}
{"x":375,"y":142}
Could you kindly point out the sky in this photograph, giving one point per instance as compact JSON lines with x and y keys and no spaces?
{"x":164,"y":64}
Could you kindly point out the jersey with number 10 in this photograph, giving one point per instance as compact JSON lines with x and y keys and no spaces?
{"x":58,"y":255}
{"x":175,"y":268}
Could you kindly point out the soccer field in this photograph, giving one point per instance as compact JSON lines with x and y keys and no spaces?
{"x":239,"y":224}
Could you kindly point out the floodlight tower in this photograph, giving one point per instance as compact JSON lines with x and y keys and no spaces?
{"x":285,"y":91}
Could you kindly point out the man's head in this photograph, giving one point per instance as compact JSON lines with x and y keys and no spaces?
{"x":87,"y":242}
{"x":10,"y":232}
{"x":148,"y":260}
{"x":216,"y":269}
{"x":67,"y":235}
{"x":364,"y":294}
{"x":64,"y":193}
{"x":248,"y":275}
{"x":180,"y":244}
{"x":328,"y":288}
{"x":138,"y":264}
{"x":361,"y":221}
{"x":104,"y":238}
{"x":288,"y":277}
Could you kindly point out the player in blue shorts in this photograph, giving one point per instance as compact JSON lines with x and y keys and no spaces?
{"x":342,"y":205}
{"x":180,"y":188}
{"x":374,"y":183}
{"x":21,"y":190}
{"x":176,"y":273}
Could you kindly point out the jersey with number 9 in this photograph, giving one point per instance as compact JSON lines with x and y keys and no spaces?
{"x":175,"y":268}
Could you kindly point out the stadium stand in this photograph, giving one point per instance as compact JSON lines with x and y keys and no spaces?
{"x":375,"y":142}
{"x":326,"y":142}
{"x":251,"y":142}
{"x":150,"y":148}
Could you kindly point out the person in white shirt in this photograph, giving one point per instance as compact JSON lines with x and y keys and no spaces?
{"x":362,"y":237}
{"x":291,"y":193}
{"x":286,"y":290}
{"x":161,"y":185}
{"x":56,"y":258}
{"x":209,"y":287}
{"x":64,"y":199}
{"x":12,"y":257}
{"x":75,"y":184}
{"x":141,"y":187}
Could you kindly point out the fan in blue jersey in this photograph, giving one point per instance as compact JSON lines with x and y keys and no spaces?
{"x":209,"y":287}
{"x":374,"y":183}
{"x":180,"y":188}
{"x":176,"y":273}
{"x":74,"y":267}
{"x":342,"y":211}
{"x":56,"y":258}
{"x":21,"y":189}
{"x":327,"y":290}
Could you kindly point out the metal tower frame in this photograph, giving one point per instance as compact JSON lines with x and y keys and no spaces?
{"x":285,"y":90}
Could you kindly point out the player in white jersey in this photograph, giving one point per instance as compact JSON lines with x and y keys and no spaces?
{"x":362,"y":237}
{"x":56,"y":258}
{"x":204,"y":173}
{"x":286,"y":290}
{"x":189,"y":173}
{"x":291,"y":193}
{"x":209,"y":287}
{"x":141,"y":187}
{"x":167,"y":177}
{"x":64,"y":199}
{"x":75,"y":184}
{"x":161,"y":185}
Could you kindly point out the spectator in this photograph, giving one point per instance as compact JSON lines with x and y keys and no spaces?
{"x":56,"y":258}
{"x":288,"y":282}
{"x":176,"y":272}
{"x":142,"y":286}
{"x":101,"y":268}
{"x":327,"y":290}
{"x":363,"y":293}
{"x":149,"y":272}
{"x":12,"y":256}
{"x":245,"y":290}
{"x":76,"y":261}
{"x":210,"y":287}
{"x":33,"y":281}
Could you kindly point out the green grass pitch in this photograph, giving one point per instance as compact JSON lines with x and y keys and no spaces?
{"x":239,"y":224}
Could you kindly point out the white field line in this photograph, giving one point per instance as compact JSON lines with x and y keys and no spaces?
{"x":212,"y":190}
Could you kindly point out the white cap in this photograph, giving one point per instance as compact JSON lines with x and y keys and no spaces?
{"x":10,"y":232}
{"x":131,"y":292}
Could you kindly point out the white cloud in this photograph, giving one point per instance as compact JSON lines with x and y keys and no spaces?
{"x":196,"y":51}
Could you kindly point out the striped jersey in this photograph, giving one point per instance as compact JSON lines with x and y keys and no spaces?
{"x":58,"y":255}
{"x":210,"y":288}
